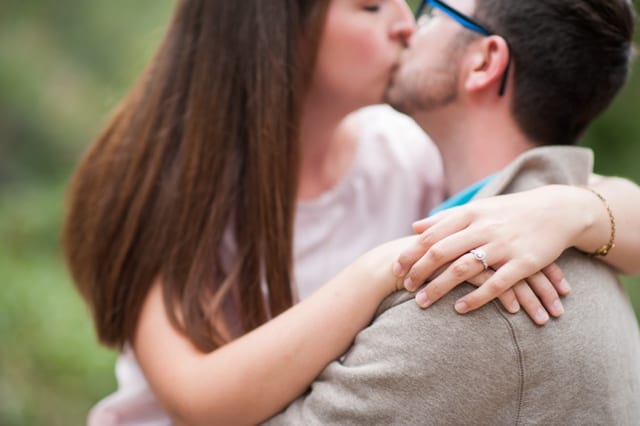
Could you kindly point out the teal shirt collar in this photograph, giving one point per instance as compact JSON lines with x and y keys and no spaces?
{"x":464,"y":196}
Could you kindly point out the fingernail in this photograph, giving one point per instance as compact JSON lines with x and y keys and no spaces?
{"x":409,"y":284}
{"x":461,"y":307}
{"x":564,"y":286}
{"x":515,"y":306}
{"x":558,"y":309}
{"x":422,"y":299}
{"x":541,"y":315}
{"x":397,"y":270}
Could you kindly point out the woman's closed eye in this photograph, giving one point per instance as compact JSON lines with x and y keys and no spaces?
{"x":372,"y":7}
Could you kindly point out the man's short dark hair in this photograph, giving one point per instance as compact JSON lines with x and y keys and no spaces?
{"x":569,"y":57}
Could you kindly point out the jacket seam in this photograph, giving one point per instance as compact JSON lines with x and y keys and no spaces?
{"x":520,"y":357}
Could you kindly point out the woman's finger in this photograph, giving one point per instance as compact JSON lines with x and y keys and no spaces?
{"x":432,"y":240}
{"x":546,"y":292}
{"x":459,"y":271}
{"x":422,"y":225}
{"x":503,"y":279}
{"x":442,"y":252}
{"x":508,"y":299}
{"x":556,"y":276}
{"x":530,"y":303}
{"x":419,"y":226}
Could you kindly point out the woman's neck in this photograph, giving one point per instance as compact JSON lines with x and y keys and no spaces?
{"x":329,"y":142}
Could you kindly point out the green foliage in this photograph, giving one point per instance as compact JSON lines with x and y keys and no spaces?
{"x":63,"y":67}
{"x":51,"y":369}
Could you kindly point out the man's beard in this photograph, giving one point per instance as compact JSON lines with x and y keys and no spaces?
{"x":428,"y":88}
{"x":423,"y":91}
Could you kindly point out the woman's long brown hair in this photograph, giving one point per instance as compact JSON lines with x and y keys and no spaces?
{"x":204,"y":150}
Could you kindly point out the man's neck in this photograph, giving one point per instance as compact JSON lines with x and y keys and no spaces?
{"x":473,"y":158}
{"x":473,"y":146}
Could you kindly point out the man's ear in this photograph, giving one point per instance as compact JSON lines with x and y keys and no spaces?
{"x":487,"y":61}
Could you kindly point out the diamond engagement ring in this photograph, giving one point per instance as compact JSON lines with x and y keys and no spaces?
{"x":480,"y":255}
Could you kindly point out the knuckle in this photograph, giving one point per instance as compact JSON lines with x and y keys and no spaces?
{"x":460,"y":269}
{"x":427,"y":238}
{"x":469,"y":212}
{"x":528,"y":263}
{"x":416,"y":275}
{"x":436,"y":254}
{"x":405,"y":259}
{"x":492,"y":227}
{"x":409,"y":257}
{"x":500,"y":246}
{"x":495,"y":287}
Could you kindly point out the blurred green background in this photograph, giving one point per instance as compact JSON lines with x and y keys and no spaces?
{"x":63,"y":67}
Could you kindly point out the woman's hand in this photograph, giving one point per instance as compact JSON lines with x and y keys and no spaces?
{"x":520,"y":235}
{"x":377,"y":264}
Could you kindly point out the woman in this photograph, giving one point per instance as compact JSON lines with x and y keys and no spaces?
{"x":181,"y":215}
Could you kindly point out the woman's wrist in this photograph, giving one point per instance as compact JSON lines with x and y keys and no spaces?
{"x":376,"y":266}
{"x":598,"y":222}
{"x":604,"y":249}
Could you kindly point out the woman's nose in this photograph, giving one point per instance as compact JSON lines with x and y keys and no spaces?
{"x":405,"y":25}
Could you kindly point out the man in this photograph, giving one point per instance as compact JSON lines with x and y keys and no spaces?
{"x":503,"y":95}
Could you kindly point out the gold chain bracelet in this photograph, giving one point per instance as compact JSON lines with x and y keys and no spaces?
{"x":604,"y":250}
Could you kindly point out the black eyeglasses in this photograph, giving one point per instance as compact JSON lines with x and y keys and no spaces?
{"x":425,"y":12}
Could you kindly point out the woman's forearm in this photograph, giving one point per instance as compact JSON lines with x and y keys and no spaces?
{"x":257,"y":375}
{"x":587,"y":219}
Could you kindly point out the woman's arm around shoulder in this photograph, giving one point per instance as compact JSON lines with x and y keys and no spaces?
{"x":258,"y":374}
